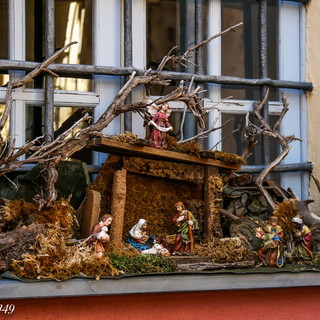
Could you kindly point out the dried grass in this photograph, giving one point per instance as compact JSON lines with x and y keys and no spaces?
{"x":125,"y":250}
{"x":50,"y":257}
{"x":54,"y":259}
{"x":224,"y":250}
{"x":127,"y":136}
{"x":192,"y":147}
{"x":61,"y":212}
{"x":285,"y":211}
{"x":229,"y":157}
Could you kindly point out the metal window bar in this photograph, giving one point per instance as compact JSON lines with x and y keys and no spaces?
{"x":86,"y":71}
{"x":49,"y":80}
{"x":307,"y":166}
{"x":199,"y":36}
{"x":302,"y":1}
{"x":199,"y":64}
{"x":263,"y":65}
{"x":128,"y":55}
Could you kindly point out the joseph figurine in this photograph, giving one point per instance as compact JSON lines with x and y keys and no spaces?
{"x":186,"y":223}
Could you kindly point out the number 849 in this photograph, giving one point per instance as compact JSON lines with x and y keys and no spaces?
{"x":8,"y":308}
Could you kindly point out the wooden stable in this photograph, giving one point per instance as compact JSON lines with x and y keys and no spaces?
{"x":171,"y":167}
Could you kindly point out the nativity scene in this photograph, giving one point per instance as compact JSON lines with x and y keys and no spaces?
{"x":158,"y":204}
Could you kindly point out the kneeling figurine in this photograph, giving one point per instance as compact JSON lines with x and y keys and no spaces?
{"x":271,"y":249}
{"x":138,"y":236}
{"x":99,"y":235}
{"x":302,"y":237}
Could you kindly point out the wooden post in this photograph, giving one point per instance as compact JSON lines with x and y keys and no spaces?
{"x":213,"y":201}
{"x":118,"y":203}
{"x":91,"y":212}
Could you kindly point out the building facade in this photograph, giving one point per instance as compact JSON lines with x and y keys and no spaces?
{"x":239,"y":66}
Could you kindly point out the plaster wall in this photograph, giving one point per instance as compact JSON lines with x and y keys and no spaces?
{"x":313,"y":98}
{"x":289,"y":303}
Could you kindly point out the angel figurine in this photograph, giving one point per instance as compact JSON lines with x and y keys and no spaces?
{"x":161,"y":125}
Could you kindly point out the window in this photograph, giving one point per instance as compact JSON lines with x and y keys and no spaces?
{"x":232,"y":60}
{"x":238,"y":59}
{"x":175,"y":28}
{"x":26,"y":41}
{"x":73,"y":22}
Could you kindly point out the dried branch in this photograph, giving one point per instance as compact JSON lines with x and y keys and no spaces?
{"x":285,"y":104}
{"x":225,"y":137}
{"x":229,"y":215}
{"x":265,"y":172}
{"x":253,"y":133}
{"x":204,"y":132}
{"x":64,"y":146}
{"x":21,"y":82}
{"x":186,"y":55}
{"x":182,"y":123}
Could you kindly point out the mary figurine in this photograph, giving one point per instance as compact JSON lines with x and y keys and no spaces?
{"x":138,"y":235}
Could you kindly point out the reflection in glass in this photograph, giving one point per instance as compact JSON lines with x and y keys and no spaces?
{"x":240,"y":49}
{"x":73,"y":22}
{"x":189,"y":128}
{"x":170,"y":23}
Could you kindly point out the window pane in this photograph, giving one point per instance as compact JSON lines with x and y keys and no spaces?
{"x":234,"y":141}
{"x":73,"y":23}
{"x":240,"y":49}
{"x":170,"y":23}
{"x":64,"y":118}
{"x":4,"y":78}
{"x":189,"y":128}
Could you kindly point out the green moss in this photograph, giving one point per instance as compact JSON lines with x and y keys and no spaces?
{"x":142,"y":263}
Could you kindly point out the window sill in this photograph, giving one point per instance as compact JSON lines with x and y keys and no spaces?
{"x":13,"y":289}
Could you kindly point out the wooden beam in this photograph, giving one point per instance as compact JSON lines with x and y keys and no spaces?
{"x":91,"y":212}
{"x":123,"y":148}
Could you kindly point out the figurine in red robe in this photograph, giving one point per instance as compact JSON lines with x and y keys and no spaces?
{"x":99,"y":236}
{"x":161,"y":126}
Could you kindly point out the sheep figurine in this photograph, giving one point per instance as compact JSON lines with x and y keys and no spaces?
{"x":156,"y":249}
{"x":103,"y":233}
